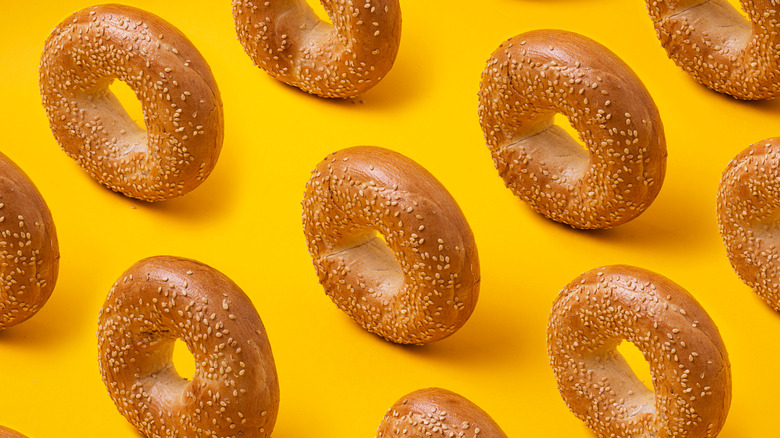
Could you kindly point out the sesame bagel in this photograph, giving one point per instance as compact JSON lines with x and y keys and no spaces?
{"x":620,"y":169}
{"x":288,"y":40}
{"x":29,"y":252}
{"x":234,"y":391}
{"x":436,"y":412}
{"x":179,"y":97}
{"x":689,"y":366}
{"x":390,"y":245}
{"x":748,"y":207}
{"x":719,"y":47}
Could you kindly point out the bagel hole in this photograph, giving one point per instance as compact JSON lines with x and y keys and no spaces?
{"x":320,"y":10}
{"x":738,"y":7}
{"x":636,"y":360}
{"x":616,"y":365}
{"x":557,"y":148}
{"x":564,"y":123}
{"x":369,"y":254}
{"x":183,"y":361}
{"x":130,"y":102}
{"x":381,"y":237}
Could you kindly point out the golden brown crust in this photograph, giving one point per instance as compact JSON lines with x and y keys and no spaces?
{"x":436,"y":412}
{"x":419,"y":287}
{"x":10,"y":433}
{"x":288,"y":40}
{"x":179,"y":96}
{"x":689,"y":366}
{"x":721,"y":49}
{"x":235,"y":390}
{"x":535,"y":75}
{"x":748,"y":216}
{"x":29,"y":255}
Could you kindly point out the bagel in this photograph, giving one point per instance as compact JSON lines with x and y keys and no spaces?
{"x":234,"y":391}
{"x":10,"y":433}
{"x":181,"y":103}
{"x":720,"y":48}
{"x":29,"y":252}
{"x":689,"y":366}
{"x":618,"y":173}
{"x":748,"y":207}
{"x":390,"y":245}
{"x":436,"y":412}
{"x":287,"y":39}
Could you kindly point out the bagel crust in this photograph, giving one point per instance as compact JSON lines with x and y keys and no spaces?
{"x":390,"y":245}
{"x":689,"y":366}
{"x":437,"y":413}
{"x":748,"y":212}
{"x":10,"y":433}
{"x":235,"y":390}
{"x":287,"y":39}
{"x":181,"y":103}
{"x":715,"y":44}
{"x":618,"y":173}
{"x":29,"y":255}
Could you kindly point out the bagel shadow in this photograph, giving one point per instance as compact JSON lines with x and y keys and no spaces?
{"x":771,"y":105}
{"x":399,"y":89}
{"x":402,"y":85}
{"x":766,"y":105}
{"x":673,"y":220}
{"x":213,"y":199}
{"x":39,"y":331}
{"x":62,"y":318}
{"x":483,"y":339}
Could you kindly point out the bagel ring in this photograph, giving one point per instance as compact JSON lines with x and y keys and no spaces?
{"x":748,"y":207}
{"x":235,"y":390}
{"x":434,"y":412}
{"x":722,"y":50}
{"x":29,"y":255}
{"x":287,"y":39}
{"x":390,"y":245}
{"x":535,"y":75}
{"x":689,"y":366}
{"x":181,"y":103}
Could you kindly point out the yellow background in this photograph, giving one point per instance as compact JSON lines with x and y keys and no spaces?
{"x":337,"y":380}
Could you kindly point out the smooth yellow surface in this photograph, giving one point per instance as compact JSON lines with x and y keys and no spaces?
{"x":337,"y":380}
